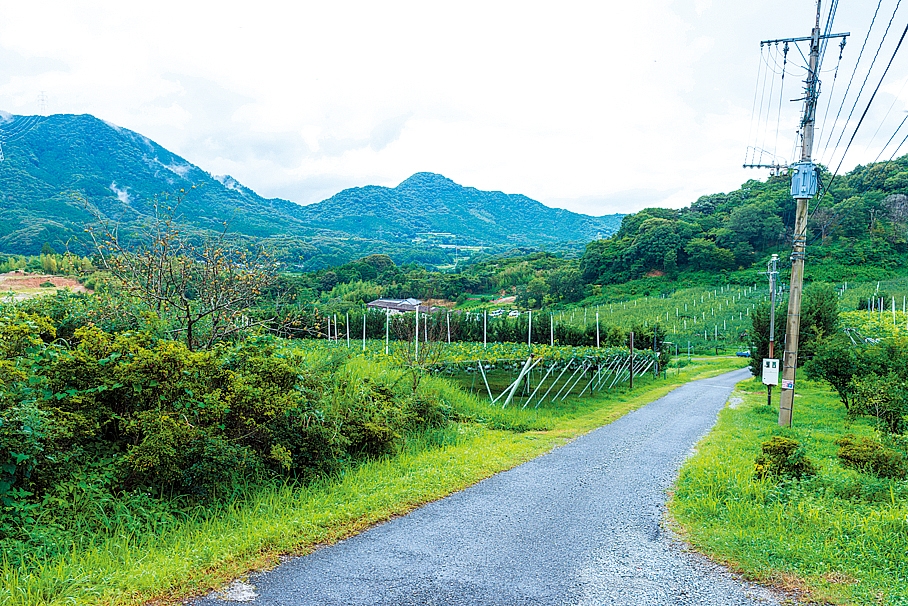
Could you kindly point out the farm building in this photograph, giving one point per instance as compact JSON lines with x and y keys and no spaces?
{"x":399,"y":306}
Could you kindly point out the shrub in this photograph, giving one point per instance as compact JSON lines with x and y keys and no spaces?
{"x":884,"y":397}
{"x":783,"y":458}
{"x":869,"y":456}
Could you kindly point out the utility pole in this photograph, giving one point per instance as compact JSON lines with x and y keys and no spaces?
{"x":804,"y":181}
{"x":773,"y":270}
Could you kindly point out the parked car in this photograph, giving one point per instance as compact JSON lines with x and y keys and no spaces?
{"x":743,"y":354}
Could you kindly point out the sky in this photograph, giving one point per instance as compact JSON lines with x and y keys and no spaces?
{"x":597,"y":107}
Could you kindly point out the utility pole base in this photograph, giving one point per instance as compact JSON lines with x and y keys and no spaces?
{"x":785,"y":407}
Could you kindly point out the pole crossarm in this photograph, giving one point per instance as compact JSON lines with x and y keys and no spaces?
{"x":806,"y":38}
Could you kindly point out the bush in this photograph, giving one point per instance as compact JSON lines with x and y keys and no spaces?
{"x":884,"y":397}
{"x":869,"y":456}
{"x":783,"y":458}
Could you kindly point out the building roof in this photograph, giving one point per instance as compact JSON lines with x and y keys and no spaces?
{"x":402,"y":305}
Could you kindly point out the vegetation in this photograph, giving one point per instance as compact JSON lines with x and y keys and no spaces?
{"x":68,"y":168}
{"x":171,"y":446}
{"x":835,"y":536}
{"x":859,"y":231}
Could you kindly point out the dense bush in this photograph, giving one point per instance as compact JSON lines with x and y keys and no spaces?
{"x":870,"y":378}
{"x":884,"y":397}
{"x":127,"y":413}
{"x":783,"y":458}
{"x":870,"y":456}
{"x":819,"y":319}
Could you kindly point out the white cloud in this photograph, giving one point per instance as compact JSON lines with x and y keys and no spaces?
{"x":121,"y":193}
{"x":595,"y":106}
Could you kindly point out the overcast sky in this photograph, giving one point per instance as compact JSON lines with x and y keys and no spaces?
{"x":598,"y":107}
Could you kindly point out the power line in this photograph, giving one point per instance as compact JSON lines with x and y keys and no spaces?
{"x":866,"y":77}
{"x":754,"y":108}
{"x":832,"y":90}
{"x":760,"y":114}
{"x":891,"y":138}
{"x":869,"y":103}
{"x":851,"y":79}
{"x":772,"y":85}
{"x":775,"y":145}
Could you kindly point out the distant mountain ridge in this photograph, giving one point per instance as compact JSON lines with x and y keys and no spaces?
{"x":54,"y":165}
{"x":431,"y":203}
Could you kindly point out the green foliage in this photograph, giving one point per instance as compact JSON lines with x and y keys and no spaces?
{"x":165,"y":420}
{"x":819,"y":319}
{"x":868,"y":455}
{"x":862,"y":229}
{"x":836,"y":361}
{"x":118,"y":173}
{"x":783,"y":457}
{"x":884,"y":397}
{"x":837,"y":524}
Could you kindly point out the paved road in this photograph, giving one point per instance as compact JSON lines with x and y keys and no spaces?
{"x":580,"y":525}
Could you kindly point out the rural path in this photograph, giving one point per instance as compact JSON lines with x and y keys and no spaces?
{"x":579,"y":525}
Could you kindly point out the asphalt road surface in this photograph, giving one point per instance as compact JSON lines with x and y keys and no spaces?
{"x":579,"y":525}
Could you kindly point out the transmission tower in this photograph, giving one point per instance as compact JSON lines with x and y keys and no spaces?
{"x":42,"y":103}
{"x":804,"y":180}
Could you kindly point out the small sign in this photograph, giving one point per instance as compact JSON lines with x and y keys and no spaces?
{"x":770,"y":371}
{"x":788,"y":384}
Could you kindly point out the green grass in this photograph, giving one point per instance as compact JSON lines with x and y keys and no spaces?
{"x":211,"y":546}
{"x":839,"y":537}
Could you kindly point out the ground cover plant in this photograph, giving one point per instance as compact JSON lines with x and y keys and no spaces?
{"x":134,"y":467}
{"x":833,"y":526}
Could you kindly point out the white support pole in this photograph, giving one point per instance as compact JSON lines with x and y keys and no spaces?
{"x":532,"y":395}
{"x":554,"y":383}
{"x":335,"y":328}
{"x":387,"y":331}
{"x":526,"y":368}
{"x":583,"y":369}
{"x":364,"y":331}
{"x":347,"y":327}
{"x":486,"y":381}
{"x":425,"y":325}
{"x":530,"y":329}
{"x":485,"y":315}
{"x":329,"y":327}
{"x":597,"y":330}
{"x":416,"y":340}
{"x":448,"y":320}
{"x":552,"y":330}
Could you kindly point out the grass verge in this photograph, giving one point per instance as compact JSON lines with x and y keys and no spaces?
{"x":211,"y":546}
{"x":838,"y":537}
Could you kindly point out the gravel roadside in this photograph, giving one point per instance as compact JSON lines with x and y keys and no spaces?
{"x":579,"y":525}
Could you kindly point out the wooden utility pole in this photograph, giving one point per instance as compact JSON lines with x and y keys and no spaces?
{"x":804,"y":182}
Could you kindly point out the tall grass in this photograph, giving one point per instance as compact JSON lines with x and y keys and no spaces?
{"x":205,"y":547}
{"x":840,"y":536}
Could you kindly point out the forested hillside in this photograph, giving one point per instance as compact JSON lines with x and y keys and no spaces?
{"x":857,"y":231}
{"x":58,"y":171}
{"x":428,"y":203}
{"x":859,"y":228}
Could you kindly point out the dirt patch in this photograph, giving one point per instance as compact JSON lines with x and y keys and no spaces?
{"x":24,"y":286}
{"x":440,"y":303}
{"x":655,"y":273}
{"x":505,"y":300}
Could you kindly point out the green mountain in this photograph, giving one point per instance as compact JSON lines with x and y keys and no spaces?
{"x":58,"y":170}
{"x":428,"y":205}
